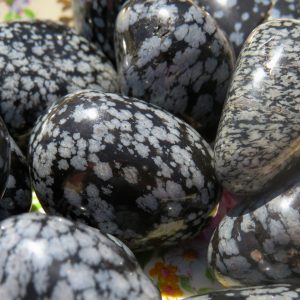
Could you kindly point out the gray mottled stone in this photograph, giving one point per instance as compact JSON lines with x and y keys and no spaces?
{"x":258,"y":241}
{"x":268,"y":292}
{"x":257,"y":145}
{"x":285,"y":9}
{"x":40,"y":62}
{"x":172,"y":54}
{"x":124,"y":166}
{"x":47,"y":257}
{"x":237,"y":17}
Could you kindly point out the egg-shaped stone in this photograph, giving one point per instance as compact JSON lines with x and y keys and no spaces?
{"x":237,"y":17}
{"x":285,"y":9}
{"x":123,"y":166}
{"x":95,"y":20}
{"x":258,"y":242}
{"x":172,"y":54}
{"x":5,"y":156}
{"x":268,"y":292}
{"x":47,"y":257}
{"x":42,"y":61}
{"x":18,"y":194}
{"x":257,"y":144}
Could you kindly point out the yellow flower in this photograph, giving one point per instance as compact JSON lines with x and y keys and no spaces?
{"x":167,"y":279}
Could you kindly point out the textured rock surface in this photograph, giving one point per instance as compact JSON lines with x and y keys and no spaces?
{"x":258,"y":138}
{"x":269,"y":292}
{"x":123,"y":166}
{"x":285,"y":9}
{"x":237,"y":17}
{"x":96,"y":21}
{"x":44,"y":257}
{"x":41,"y":62}
{"x":172,"y":54}
{"x":258,"y":242}
{"x":17,"y":196}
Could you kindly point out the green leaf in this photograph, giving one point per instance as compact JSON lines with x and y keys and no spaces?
{"x":209,"y":274}
{"x":29,"y":13}
{"x":185,"y":283}
{"x":11,"y":16}
{"x":9,"y":2}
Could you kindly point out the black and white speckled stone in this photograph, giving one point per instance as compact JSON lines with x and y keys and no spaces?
{"x":269,"y":292}
{"x":95,"y":20}
{"x":285,"y":9}
{"x":258,"y":241}
{"x":17,"y":195}
{"x":172,"y":53}
{"x":258,"y":138}
{"x":44,"y":257}
{"x":124,"y":166}
{"x":41,"y":61}
{"x":5,"y":156}
{"x":237,"y":17}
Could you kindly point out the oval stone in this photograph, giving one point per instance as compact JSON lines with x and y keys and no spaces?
{"x":172,"y":54}
{"x":257,"y":145}
{"x":268,"y":292}
{"x":47,"y":257}
{"x":42,"y":61}
{"x":125,"y":167}
{"x":237,"y":17}
{"x":18,"y":194}
{"x":258,"y":241}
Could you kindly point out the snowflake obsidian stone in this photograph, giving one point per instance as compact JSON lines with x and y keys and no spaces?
{"x":44,"y":257}
{"x":96,"y":21}
{"x":39,"y":63}
{"x":257,"y":146}
{"x":258,"y":241}
{"x":237,"y":17}
{"x":172,"y":54}
{"x":268,"y":292}
{"x":124,"y":166}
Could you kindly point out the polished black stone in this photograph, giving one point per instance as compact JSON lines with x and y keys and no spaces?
{"x":172,"y":54}
{"x":237,"y":17}
{"x":95,"y":20}
{"x":124,"y":166}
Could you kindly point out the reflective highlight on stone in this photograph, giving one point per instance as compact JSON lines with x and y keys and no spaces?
{"x":257,"y":145}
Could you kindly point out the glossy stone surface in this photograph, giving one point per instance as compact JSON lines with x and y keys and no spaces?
{"x":269,"y":292}
{"x":172,"y":54}
{"x":257,"y":145}
{"x":44,"y":257}
{"x":17,"y":196}
{"x":237,"y":17}
{"x":41,"y":62}
{"x":5,"y":155}
{"x":285,"y":9}
{"x":125,"y":167}
{"x":95,"y":20}
{"x":258,"y":241}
